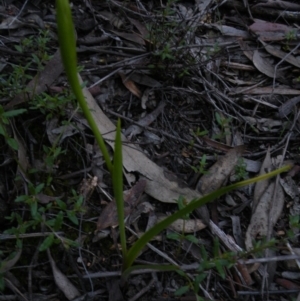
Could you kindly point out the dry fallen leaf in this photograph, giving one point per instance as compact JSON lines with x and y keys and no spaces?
{"x":130,"y":85}
{"x":265,"y":215}
{"x":109,"y":215}
{"x":185,"y":226}
{"x":63,"y":283}
{"x":261,"y":186}
{"x":220,"y":171}
{"x":264,"y":65}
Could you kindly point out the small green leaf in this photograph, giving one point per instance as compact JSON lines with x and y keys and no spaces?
{"x":19,"y":48}
{"x":220,"y":269}
{"x":47,"y":243}
{"x":198,"y":279}
{"x":39,"y":188}
{"x":174,"y":236}
{"x":33,"y":209}
{"x":2,"y":130}
{"x":192,"y":238}
{"x":181,"y":272}
{"x":14,"y":113}
{"x":12,"y":143}
{"x":58,"y":221}
{"x":21,"y":198}
{"x":62,"y":205}
{"x":72,"y":217}
{"x":182,"y":290}
{"x":203,"y":253}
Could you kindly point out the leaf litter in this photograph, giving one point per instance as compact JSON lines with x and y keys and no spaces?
{"x":165,"y":69}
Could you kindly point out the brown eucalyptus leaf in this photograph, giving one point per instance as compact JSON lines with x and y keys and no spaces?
{"x":130,"y":85}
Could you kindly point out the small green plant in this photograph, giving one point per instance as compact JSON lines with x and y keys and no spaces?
{"x":289,"y":36}
{"x":38,"y":48}
{"x":52,"y":105}
{"x":15,"y":82}
{"x":4,"y":123}
{"x":68,"y":51}
{"x":217,"y":262}
{"x":196,"y":134}
{"x":240,"y":171}
{"x":223,"y":124}
{"x":39,"y":216}
{"x":200,"y":169}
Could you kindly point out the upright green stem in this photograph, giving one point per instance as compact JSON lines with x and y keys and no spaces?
{"x":67,"y":44}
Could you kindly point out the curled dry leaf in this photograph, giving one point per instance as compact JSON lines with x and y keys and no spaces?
{"x":130,"y":85}
{"x":220,"y":171}
{"x":63,"y":283}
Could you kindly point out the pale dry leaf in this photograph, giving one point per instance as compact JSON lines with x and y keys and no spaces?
{"x":220,"y":171}
{"x":62,"y":282}
{"x":281,"y":90}
{"x":134,"y":160}
{"x":184,"y":226}
{"x":265,"y":215}
{"x":261,"y":186}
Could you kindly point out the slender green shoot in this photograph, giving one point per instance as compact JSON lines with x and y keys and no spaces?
{"x":117,"y":177}
{"x":67,"y":44}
